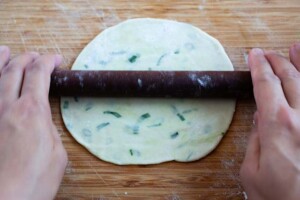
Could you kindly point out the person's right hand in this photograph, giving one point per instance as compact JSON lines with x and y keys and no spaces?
{"x":32,"y":157}
{"x":271,"y":168}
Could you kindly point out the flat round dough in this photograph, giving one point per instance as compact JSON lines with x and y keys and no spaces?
{"x":149,"y":131}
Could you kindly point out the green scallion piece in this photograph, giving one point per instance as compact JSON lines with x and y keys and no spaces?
{"x":88,"y":107}
{"x":154,"y":125}
{"x":117,"y":115}
{"x":143,"y":117}
{"x":181,"y":117}
{"x":134,"y":152}
{"x":174,"y":135}
{"x":102,"y":125}
{"x":135,"y":130}
{"x":188,"y":111}
{"x":131,"y":152}
{"x":160,"y":59}
{"x":66,"y":105}
{"x":146,"y":115}
{"x":76,"y":99}
{"x":86,"y":132}
{"x":133,"y":58}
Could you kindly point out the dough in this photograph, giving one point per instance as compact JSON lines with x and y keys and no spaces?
{"x":149,"y":131}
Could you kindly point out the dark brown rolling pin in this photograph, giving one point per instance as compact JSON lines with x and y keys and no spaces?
{"x":182,"y":84}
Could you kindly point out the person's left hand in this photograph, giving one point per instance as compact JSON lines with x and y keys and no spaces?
{"x":32,"y":157}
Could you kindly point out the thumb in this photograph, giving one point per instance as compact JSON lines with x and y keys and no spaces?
{"x":251,"y":162}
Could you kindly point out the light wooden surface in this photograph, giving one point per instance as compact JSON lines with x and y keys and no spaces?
{"x":66,"y":26}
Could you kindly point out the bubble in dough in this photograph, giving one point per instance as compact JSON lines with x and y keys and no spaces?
{"x":148,"y":131}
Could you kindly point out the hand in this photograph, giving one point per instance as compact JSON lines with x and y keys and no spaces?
{"x":271,"y":168}
{"x":32,"y":157}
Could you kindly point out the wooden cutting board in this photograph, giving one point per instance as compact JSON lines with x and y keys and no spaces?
{"x":66,"y":26}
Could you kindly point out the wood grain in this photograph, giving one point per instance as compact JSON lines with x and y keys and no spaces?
{"x":66,"y":26}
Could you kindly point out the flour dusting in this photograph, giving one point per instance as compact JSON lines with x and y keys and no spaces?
{"x":204,"y":81}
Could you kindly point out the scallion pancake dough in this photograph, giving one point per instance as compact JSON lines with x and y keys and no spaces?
{"x":149,"y":131}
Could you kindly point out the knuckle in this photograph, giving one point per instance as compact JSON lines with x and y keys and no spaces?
{"x":33,"y":105}
{"x":287,"y":119}
{"x":36,"y":66}
{"x":42,"y":60}
{"x":12,"y":68}
{"x":267,"y":78}
{"x":289,"y":74}
{"x":18,"y":63}
{"x":27,"y":102}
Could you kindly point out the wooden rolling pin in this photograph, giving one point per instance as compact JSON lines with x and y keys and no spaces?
{"x":182,"y":84}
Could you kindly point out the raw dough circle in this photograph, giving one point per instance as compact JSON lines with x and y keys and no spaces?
{"x":149,"y":131}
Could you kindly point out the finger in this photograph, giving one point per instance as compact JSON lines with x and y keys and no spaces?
{"x":295,"y":55}
{"x":4,"y":56}
{"x":37,"y":77}
{"x":289,"y":77}
{"x":12,"y":76}
{"x":267,"y":88}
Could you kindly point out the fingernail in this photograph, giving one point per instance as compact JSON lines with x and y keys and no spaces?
{"x":58,"y":60}
{"x":3,"y":49}
{"x":257,"y":51}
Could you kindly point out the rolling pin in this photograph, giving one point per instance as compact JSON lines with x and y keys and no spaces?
{"x":170,"y":84}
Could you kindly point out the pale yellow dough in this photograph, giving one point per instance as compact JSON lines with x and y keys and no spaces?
{"x":149,"y":131}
